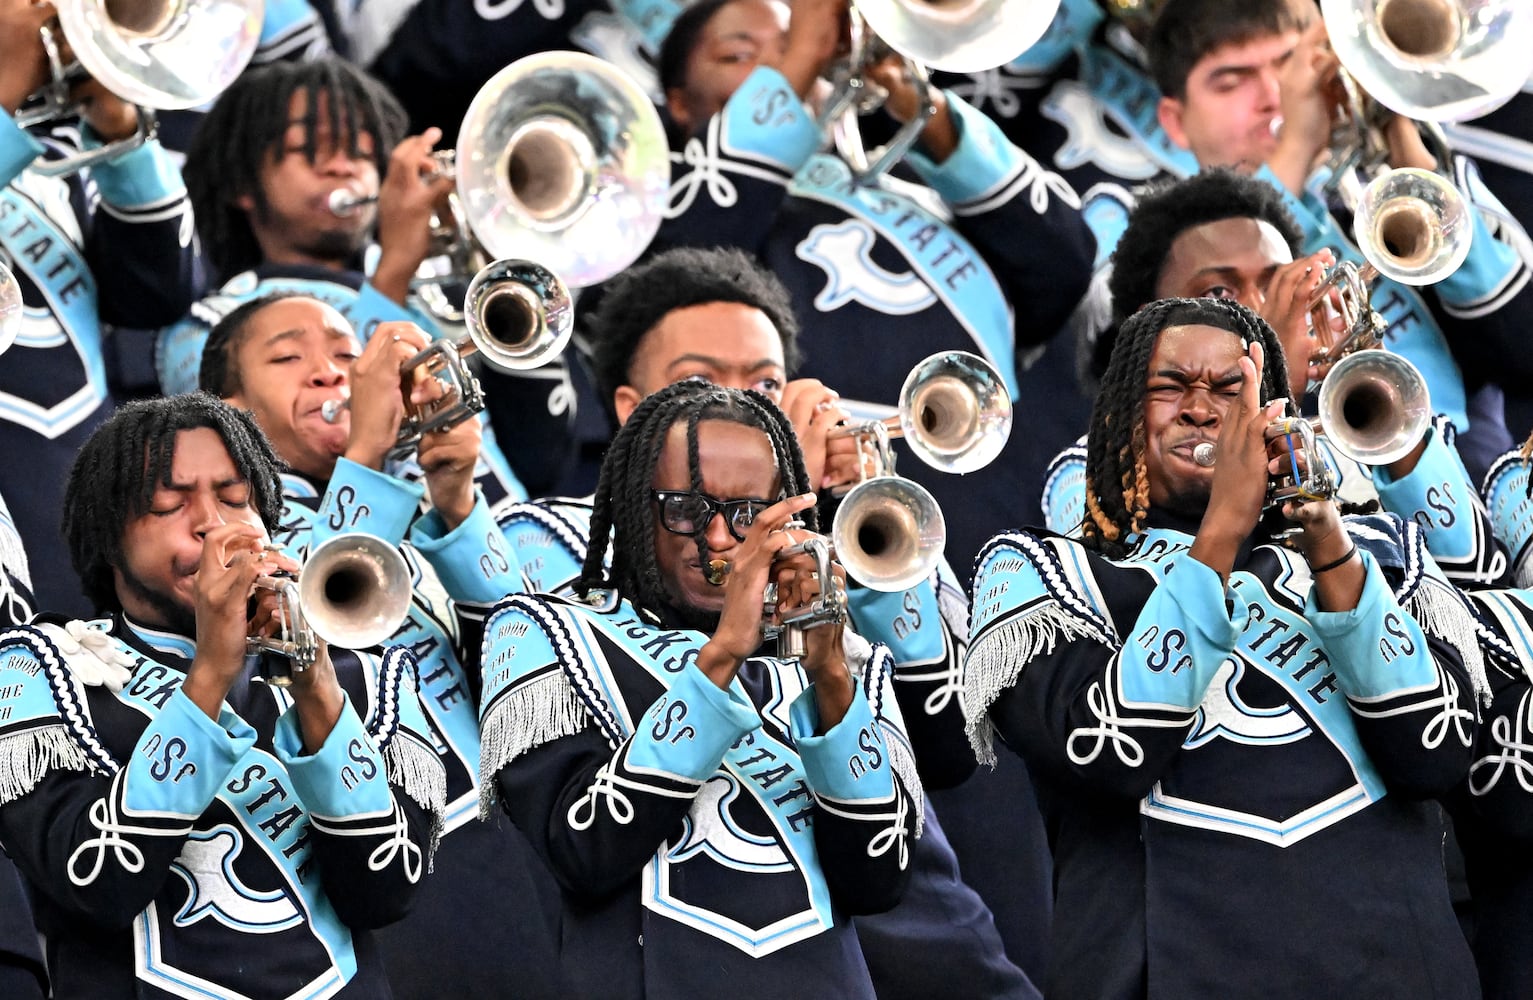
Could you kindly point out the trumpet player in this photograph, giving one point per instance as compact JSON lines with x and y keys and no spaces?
{"x":82,"y":263}
{"x":1251,"y":86}
{"x":186,"y":827}
{"x":718,"y":316}
{"x":1226,"y":236}
{"x":712,"y":814}
{"x":282,"y":357}
{"x":262,"y":170}
{"x":1236,"y":740}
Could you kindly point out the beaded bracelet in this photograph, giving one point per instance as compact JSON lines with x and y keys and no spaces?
{"x":1317,"y":570}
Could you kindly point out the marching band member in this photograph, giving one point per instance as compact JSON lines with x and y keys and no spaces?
{"x":186,"y":826}
{"x":711,"y":814}
{"x":718,"y":316}
{"x":1248,"y":86}
{"x":1235,"y":741}
{"x":282,"y":357}
{"x":1222,"y":235}
{"x":883,"y":272}
{"x":88,"y":249}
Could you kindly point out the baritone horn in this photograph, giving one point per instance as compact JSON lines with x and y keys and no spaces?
{"x":156,"y":54}
{"x":562,"y":158}
{"x":519,"y":317}
{"x":1434,"y":60}
{"x":353,"y":592}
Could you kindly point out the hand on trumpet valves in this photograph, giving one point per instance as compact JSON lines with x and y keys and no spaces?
{"x":409,"y":196}
{"x":448,"y":458}
{"x":744,"y":578}
{"x":940,"y":136}
{"x":1286,"y":308}
{"x":228,"y":604}
{"x":815,"y":410}
{"x":378,"y":389}
{"x":818,"y":31}
{"x":1307,"y":103}
{"x":108,"y":115}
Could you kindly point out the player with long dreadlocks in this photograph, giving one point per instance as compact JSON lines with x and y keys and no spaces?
{"x":1234,"y":733}
{"x":711,"y":814}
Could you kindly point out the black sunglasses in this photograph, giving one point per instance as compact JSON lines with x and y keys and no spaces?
{"x":684,"y":513}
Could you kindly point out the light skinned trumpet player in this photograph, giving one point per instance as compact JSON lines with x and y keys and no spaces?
{"x":284,"y":358}
{"x":184,"y":825}
{"x":1237,"y":739}
{"x":1223,"y":235}
{"x":713,"y":813}
{"x":80,"y":264}
{"x":718,"y":316}
{"x":1462,"y":332}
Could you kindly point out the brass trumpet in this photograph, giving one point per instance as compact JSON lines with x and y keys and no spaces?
{"x":519,"y":316}
{"x":353,"y":592}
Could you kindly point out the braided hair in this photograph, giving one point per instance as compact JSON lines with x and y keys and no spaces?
{"x":245,"y":127}
{"x":1117,"y":477}
{"x":119,"y":467}
{"x":623,"y":519}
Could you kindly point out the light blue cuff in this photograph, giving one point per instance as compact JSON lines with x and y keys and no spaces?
{"x":17,"y":148}
{"x":141,"y":177}
{"x":1437,"y":495}
{"x":1182,"y":635}
{"x":765,"y":120}
{"x":363,"y":499}
{"x":1376,"y":648}
{"x":472,"y":560}
{"x":907,"y":621}
{"x":183,"y":758}
{"x":983,"y":160}
{"x":850,"y":761}
{"x":1485,"y":271}
{"x":345,"y":777}
{"x":686,"y":731}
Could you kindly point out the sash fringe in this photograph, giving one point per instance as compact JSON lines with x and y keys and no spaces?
{"x":26,"y":757}
{"x":535,"y":713}
{"x":996,"y":661}
{"x":419,"y":770}
{"x":1443,"y":614}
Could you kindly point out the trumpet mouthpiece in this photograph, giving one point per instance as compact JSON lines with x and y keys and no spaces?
{"x":718,"y":570}
{"x":1203,"y":454}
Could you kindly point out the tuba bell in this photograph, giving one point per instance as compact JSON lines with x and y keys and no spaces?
{"x":156,"y":54}
{"x":563,"y":159}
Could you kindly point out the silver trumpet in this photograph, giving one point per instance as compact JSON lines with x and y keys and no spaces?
{"x":1315,"y":481}
{"x":829,"y":608}
{"x":954,"y":412}
{"x":1374,"y":407}
{"x":10,"y":307}
{"x":353,"y":592}
{"x":165,"y":54}
{"x":519,"y":316}
{"x":344,"y":203}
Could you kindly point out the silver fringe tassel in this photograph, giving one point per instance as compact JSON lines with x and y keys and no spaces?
{"x":903,"y":763}
{"x":536,"y":713}
{"x":419,"y":771}
{"x":995,"y":662}
{"x":1443,"y":614}
{"x":27,"y":756}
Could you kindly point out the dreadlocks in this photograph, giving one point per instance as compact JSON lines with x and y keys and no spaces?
{"x":122,"y":463}
{"x":245,"y":129}
{"x":623,"y":517}
{"x":1117,"y":479}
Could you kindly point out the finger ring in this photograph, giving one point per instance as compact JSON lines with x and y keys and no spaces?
{"x":396,"y":338}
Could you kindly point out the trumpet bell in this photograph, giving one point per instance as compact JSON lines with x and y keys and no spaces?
{"x":960,"y":36}
{"x":1413,"y":226}
{"x":889,"y":533}
{"x":563,"y":159}
{"x":1434,"y":60}
{"x":955,"y":412}
{"x":165,"y":54}
{"x":354,"y":590}
{"x":1374,"y":406}
{"x":519,"y":314}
